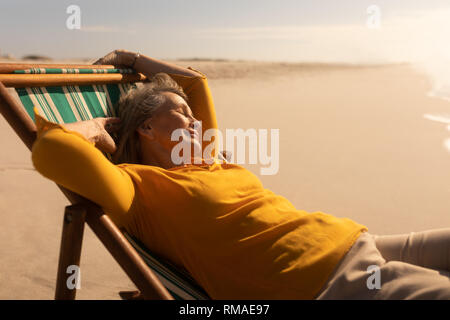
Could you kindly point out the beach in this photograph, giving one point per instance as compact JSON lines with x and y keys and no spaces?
{"x":353,"y":142}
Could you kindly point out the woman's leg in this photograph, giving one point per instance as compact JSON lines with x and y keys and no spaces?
{"x":391,"y":280}
{"x":429,"y":249}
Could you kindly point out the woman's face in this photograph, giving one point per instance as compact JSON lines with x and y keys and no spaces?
{"x":173,"y":114}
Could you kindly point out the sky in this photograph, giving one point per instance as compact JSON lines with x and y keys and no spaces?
{"x":285,"y":30}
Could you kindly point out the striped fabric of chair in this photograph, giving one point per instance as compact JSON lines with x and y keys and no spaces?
{"x":177,"y":281}
{"x":65,"y":104}
{"x":63,"y":70}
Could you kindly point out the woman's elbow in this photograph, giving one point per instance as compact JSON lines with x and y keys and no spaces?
{"x":40,"y":156}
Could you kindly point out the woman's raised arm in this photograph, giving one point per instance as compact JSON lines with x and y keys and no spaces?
{"x":144,"y":64}
{"x":193,"y":82}
{"x":71,"y":160}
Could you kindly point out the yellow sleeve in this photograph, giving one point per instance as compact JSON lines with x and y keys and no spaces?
{"x":199,"y":98}
{"x":73,"y":162}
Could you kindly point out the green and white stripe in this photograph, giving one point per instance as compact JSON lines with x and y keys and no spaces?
{"x":178,"y":282}
{"x":65,"y":104}
{"x":56,"y":71}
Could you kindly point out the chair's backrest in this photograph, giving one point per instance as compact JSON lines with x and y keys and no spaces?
{"x":71,"y":103}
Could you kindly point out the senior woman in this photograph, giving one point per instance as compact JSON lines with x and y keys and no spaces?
{"x":237,"y":239}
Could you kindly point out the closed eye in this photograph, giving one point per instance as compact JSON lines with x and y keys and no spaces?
{"x":185,"y":112}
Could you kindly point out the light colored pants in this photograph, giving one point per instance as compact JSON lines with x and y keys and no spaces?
{"x":405,"y":266}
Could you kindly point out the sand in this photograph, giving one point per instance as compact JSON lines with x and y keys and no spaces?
{"x":353,"y":143}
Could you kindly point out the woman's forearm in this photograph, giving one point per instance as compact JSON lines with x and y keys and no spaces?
{"x":144,"y":64}
{"x":74,"y":163}
{"x":150,"y":66}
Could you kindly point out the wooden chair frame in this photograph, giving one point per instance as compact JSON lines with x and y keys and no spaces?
{"x":82,"y":210}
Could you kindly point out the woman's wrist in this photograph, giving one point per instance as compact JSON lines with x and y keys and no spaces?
{"x":136,"y":57}
{"x":127,"y":58}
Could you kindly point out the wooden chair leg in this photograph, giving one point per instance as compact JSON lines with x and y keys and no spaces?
{"x":70,"y":250}
{"x":122,"y":251}
{"x":131,"y":295}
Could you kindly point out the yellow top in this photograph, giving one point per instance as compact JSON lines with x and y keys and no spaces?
{"x":236,"y":238}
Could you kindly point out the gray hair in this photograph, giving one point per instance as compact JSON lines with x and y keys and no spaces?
{"x":136,"y":106}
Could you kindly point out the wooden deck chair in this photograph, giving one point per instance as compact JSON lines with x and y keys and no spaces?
{"x":67,"y":93}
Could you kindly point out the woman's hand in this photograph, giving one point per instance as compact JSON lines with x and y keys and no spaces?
{"x":118,"y":58}
{"x":97,"y":131}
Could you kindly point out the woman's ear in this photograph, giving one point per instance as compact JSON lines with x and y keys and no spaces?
{"x":145,"y":130}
